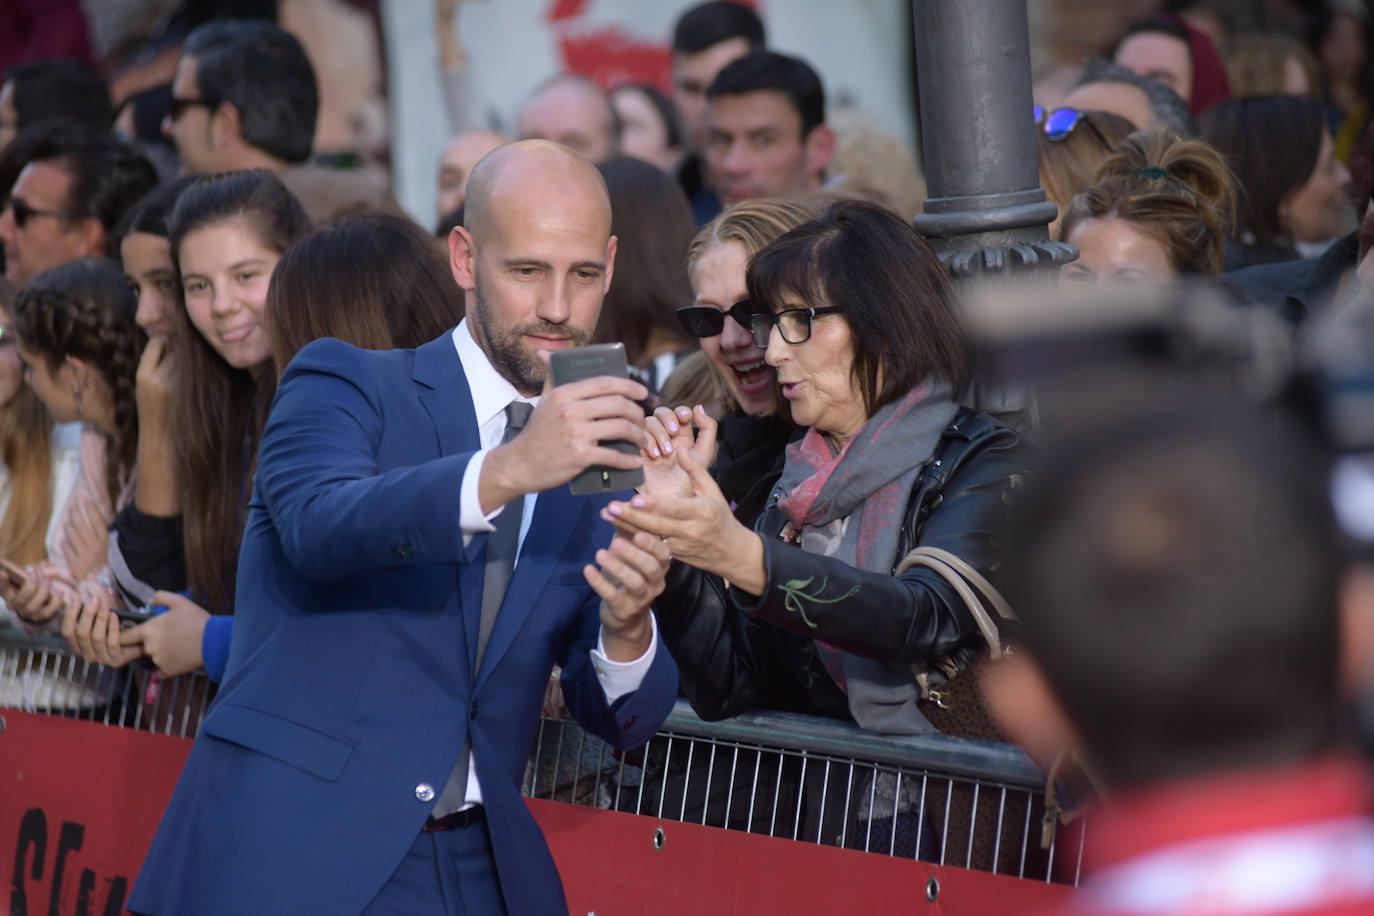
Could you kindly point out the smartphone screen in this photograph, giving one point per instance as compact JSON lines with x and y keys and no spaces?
{"x":573,"y":365}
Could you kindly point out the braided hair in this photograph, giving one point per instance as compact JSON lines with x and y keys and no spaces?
{"x":85,"y":309}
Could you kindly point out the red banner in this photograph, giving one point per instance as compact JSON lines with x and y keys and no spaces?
{"x":79,"y":803}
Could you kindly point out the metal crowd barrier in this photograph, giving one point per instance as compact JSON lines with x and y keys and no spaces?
{"x":941,"y":800}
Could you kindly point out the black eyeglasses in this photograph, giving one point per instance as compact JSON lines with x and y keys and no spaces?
{"x":1059,"y":123}
{"x":793,"y":324}
{"x":176,"y":107}
{"x":705,"y":321}
{"x":23,"y":212}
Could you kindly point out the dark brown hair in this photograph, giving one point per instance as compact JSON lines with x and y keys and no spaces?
{"x":1273,"y":144}
{"x":220,"y":410}
{"x":889,"y":286}
{"x":1179,"y":192}
{"x":26,"y":450}
{"x":85,"y":309}
{"x":373,"y":280}
{"x":653,"y":224}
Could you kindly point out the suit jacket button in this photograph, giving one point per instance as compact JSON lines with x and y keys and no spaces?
{"x":403,"y":551}
{"x":424,"y":792}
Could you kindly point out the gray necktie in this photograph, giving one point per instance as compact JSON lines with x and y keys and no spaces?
{"x":502,"y":546}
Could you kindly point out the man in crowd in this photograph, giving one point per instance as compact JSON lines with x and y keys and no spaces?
{"x":705,"y":39}
{"x":49,"y":89}
{"x":1142,"y":100}
{"x":1192,"y":626}
{"x":456,"y":163}
{"x":245,"y":97}
{"x":70,"y":195}
{"x":365,"y":751}
{"x":766,"y":134}
{"x":572,"y":110}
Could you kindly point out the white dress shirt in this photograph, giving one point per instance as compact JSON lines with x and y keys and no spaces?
{"x":491,"y":392}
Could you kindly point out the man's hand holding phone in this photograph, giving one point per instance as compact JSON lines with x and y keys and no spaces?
{"x":565,"y":436}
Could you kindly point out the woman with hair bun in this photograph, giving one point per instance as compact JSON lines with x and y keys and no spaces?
{"x":1159,"y":208}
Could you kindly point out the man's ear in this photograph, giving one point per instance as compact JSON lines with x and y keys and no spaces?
{"x":819,"y":149}
{"x":1022,"y":703}
{"x":611,"y":244}
{"x":226,"y":127}
{"x":91,"y":237}
{"x":462,"y":258}
{"x":1355,"y":600}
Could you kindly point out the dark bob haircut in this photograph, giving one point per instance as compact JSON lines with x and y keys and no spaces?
{"x":374,"y":280}
{"x":1273,"y":144}
{"x":891,"y":289}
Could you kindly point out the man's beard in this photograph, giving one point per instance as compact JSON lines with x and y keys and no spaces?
{"x":507,"y":352}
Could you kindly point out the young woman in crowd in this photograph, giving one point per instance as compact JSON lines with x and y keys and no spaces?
{"x":376,"y":281}
{"x":1071,"y":146}
{"x":801,"y":608}
{"x":651,"y":129}
{"x":146,"y":534}
{"x":39,"y":461}
{"x":80,"y":347}
{"x":1160,"y":207}
{"x":653,"y":221}
{"x":225,"y":236}
{"x":756,"y":424}
{"x":1295,"y":187}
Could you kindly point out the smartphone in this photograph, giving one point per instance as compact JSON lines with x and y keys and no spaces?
{"x":132,"y":617}
{"x":18,"y":578}
{"x":573,"y":365}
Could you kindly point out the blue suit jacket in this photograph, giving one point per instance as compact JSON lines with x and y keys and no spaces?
{"x":350,"y":677}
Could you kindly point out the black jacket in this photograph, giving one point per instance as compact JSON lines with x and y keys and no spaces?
{"x":737,"y":652}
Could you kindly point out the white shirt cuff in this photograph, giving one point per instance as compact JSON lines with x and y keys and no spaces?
{"x":470,"y":517}
{"x":620,"y":678}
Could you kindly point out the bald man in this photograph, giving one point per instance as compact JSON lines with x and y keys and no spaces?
{"x":366,"y":748}
{"x":574,"y":111}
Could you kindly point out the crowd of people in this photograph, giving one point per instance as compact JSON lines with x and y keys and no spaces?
{"x":236,"y":438}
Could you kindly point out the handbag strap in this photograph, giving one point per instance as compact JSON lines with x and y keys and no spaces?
{"x":965,"y":569}
{"x":932,"y":559}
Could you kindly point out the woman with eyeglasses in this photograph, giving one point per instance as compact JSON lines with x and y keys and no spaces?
{"x":801,"y":609}
{"x":1160,"y":208}
{"x":1071,"y":146}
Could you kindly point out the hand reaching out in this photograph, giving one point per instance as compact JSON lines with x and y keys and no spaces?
{"x":173,"y":638}
{"x":628,"y":576}
{"x":667,"y":432}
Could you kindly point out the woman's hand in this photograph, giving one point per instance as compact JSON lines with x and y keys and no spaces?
{"x":667,"y":432}
{"x":173,"y":638}
{"x":92,"y":629}
{"x":37,"y":601}
{"x":153,"y":387}
{"x":699,"y":529}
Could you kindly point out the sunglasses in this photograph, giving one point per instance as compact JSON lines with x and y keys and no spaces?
{"x":705,"y":321}
{"x":1059,"y":123}
{"x":23,"y":212}
{"x":176,"y":107}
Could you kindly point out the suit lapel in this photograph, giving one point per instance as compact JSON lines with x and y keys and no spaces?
{"x":555,"y":515}
{"x":443,"y":391}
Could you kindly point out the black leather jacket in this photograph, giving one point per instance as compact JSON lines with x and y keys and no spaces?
{"x":737,"y":652}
